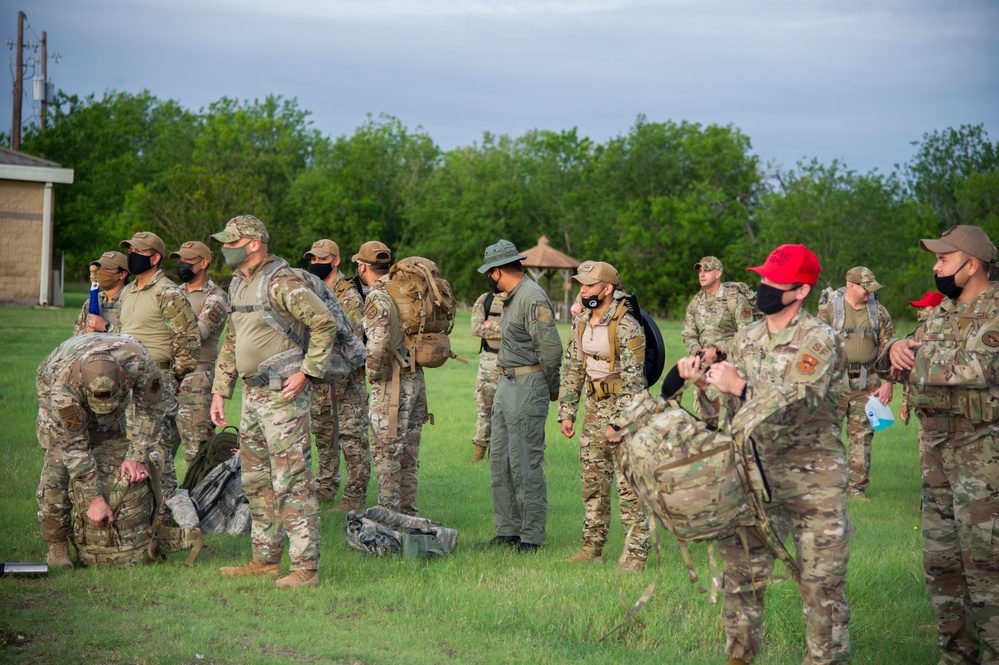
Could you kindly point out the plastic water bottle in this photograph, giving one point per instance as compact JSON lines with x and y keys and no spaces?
{"x":879,"y":414}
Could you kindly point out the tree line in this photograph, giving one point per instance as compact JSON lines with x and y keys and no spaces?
{"x":652,"y":201}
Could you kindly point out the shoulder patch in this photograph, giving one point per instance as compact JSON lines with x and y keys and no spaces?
{"x":214,"y":315}
{"x":540,"y":312}
{"x":371,"y":312}
{"x":73,"y":418}
{"x":991,"y":339}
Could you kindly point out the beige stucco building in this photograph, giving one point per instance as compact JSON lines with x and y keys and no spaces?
{"x":28,"y":274}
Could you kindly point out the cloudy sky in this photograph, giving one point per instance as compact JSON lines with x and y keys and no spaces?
{"x":855,"y":80}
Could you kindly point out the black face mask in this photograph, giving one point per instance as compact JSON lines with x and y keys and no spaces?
{"x":770,"y":299}
{"x":947,"y":285}
{"x":138,"y":264}
{"x":493,"y":284}
{"x":186,"y":272}
{"x":321,"y":270}
{"x":591,"y":302}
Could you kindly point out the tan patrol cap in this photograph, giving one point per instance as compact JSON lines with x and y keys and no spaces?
{"x":592,"y":272}
{"x":111,"y":261}
{"x":373,"y":252}
{"x":708,"y":263}
{"x":144,"y":240}
{"x":244,"y":226}
{"x":323,"y":248}
{"x":963,"y":238}
{"x":101,"y":380}
{"x":864,"y":277}
{"x":192,"y":249}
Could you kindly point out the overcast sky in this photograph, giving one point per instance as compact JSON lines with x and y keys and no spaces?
{"x":846,"y":79}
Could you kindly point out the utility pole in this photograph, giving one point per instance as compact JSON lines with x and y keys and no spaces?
{"x":45,"y":79}
{"x":15,"y":132}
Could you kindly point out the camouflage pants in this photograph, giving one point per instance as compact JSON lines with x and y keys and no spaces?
{"x":821,"y":531}
{"x":599,"y":461}
{"x":397,"y":459}
{"x":194,"y":422}
{"x":352,"y":420}
{"x":517,"y":456}
{"x":485,"y":391}
{"x":167,"y":434}
{"x":859,"y":434}
{"x":961,"y":542}
{"x":276,"y":457}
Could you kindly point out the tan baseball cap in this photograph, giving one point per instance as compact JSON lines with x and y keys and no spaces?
{"x":864,"y":277}
{"x":144,"y":240}
{"x":962,"y":238}
{"x":111,"y":261}
{"x":708,"y":263}
{"x":373,"y":252}
{"x":244,"y":226}
{"x":592,"y":272}
{"x":323,"y":248}
{"x":192,"y":249}
{"x":101,"y":379}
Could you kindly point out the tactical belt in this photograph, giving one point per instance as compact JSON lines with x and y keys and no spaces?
{"x":164,"y":364}
{"x":256,"y":380}
{"x":603,"y":388}
{"x":954,"y":425}
{"x":511,"y":372}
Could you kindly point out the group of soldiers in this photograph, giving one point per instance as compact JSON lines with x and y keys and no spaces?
{"x":152,"y":349}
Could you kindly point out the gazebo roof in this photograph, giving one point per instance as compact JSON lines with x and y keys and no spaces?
{"x":545,"y":256}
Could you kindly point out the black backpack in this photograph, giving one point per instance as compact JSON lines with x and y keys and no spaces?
{"x":218,"y":449}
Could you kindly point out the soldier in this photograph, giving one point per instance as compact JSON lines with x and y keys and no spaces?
{"x":605,"y":354}
{"x":867,"y":329}
{"x":715,"y":313}
{"x":792,"y":364}
{"x":528,"y":360}
{"x":211,"y":307}
{"x":398,"y":393}
{"x":155,"y":312}
{"x":83,"y":387}
{"x":487,"y":314}
{"x":924,"y":305}
{"x":340,"y":414}
{"x":951,"y":365}
{"x":275,"y":446}
{"x":112,"y":275}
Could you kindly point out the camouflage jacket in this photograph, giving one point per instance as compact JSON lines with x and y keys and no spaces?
{"x":67,"y":425}
{"x":793,"y":384}
{"x":383,"y":329}
{"x":289,"y":294}
{"x":630,"y":338}
{"x":886,"y":329}
{"x":479,"y":329}
{"x":956,"y":373}
{"x":352,"y":303}
{"x":528,"y":335}
{"x":713,"y":320}
{"x":179,"y":325}
{"x":110,"y":308}
{"x":212,"y":315}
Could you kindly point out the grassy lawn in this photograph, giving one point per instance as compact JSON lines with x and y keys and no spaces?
{"x":477,"y":606}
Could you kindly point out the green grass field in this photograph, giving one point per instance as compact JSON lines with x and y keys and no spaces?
{"x":478,"y":606}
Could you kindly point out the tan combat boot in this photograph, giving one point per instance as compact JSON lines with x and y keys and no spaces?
{"x":480,"y":454}
{"x":585,"y":555}
{"x":298,"y":578}
{"x":58,"y":556}
{"x":632,"y":564}
{"x":737,"y":661}
{"x":255,"y":567}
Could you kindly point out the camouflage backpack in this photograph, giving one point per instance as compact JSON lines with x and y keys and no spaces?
{"x":379,"y":531}
{"x":347,"y":355}
{"x":215,"y":451}
{"x":135,"y":536}
{"x":750,"y":294}
{"x":220,"y":501}
{"x":426,"y":310}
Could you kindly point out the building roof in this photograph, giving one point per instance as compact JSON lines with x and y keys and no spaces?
{"x":545,"y":256}
{"x":22,"y":166}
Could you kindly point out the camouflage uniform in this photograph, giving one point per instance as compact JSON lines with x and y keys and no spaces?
{"x":711,"y":321}
{"x":859,"y":383}
{"x":69,"y":431}
{"x":952,"y":388}
{"x":394,"y":454}
{"x":169,"y":330}
{"x":349,"y":431}
{"x":805,"y":465}
{"x":488,"y":376}
{"x":599,"y":459}
{"x":109,"y":311}
{"x":194,"y":397}
{"x":275,"y":440}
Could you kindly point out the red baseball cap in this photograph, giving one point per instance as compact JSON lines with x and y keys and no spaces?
{"x":931,"y":299}
{"x":789,"y":264}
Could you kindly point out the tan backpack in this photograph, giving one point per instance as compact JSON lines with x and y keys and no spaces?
{"x":426,"y":309}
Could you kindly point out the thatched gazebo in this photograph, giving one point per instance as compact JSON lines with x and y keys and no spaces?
{"x":543,"y":262}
